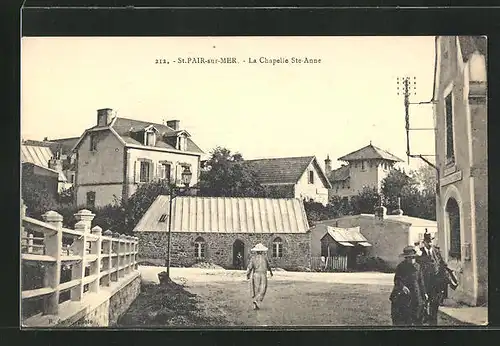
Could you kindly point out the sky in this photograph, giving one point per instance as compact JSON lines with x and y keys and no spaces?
{"x":260,"y":110}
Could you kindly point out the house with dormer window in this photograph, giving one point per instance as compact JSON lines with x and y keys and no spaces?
{"x":117,"y":155}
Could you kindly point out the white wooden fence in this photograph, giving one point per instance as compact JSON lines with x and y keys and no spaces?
{"x":110,"y":257}
{"x":333,"y":263}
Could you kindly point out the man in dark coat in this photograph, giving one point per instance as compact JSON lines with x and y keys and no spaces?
{"x":435,"y":279}
{"x":408,"y":296}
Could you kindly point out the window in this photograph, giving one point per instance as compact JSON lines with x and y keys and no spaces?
{"x":450,"y":153}
{"x":199,"y":248}
{"x":277,"y":248}
{"x":311,"y":177}
{"x":93,"y":142}
{"x":145,"y":172}
{"x":150,"y":138}
{"x":91,"y":199}
{"x":165,"y":169}
{"x":72,"y":178}
{"x":453,"y":212}
{"x":362,"y":165}
{"x":182,"y":143}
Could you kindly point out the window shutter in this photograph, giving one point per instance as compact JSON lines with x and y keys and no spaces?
{"x":178,"y":169}
{"x":159,"y":171}
{"x":152,"y":172}
{"x":135,"y":172}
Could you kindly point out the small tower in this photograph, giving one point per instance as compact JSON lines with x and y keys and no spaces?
{"x":328,"y":164}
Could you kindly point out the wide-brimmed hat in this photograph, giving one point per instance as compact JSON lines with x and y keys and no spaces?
{"x":259,"y":247}
{"x":427,"y":236}
{"x":409,"y":251}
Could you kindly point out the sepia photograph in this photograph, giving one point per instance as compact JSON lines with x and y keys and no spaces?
{"x":259,"y":181}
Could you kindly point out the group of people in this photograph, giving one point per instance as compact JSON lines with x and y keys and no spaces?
{"x":420,"y":282}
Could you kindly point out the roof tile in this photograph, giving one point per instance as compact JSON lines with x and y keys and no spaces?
{"x":370,"y":152}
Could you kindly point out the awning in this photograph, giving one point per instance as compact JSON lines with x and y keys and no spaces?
{"x":345,"y":243}
{"x":364,"y":243}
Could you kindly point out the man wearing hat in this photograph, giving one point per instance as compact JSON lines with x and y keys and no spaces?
{"x":258,"y":267}
{"x":408,"y":296}
{"x":435,"y":279}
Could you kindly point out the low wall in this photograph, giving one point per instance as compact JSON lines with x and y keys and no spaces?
{"x":101,"y":309}
{"x":219,"y":248}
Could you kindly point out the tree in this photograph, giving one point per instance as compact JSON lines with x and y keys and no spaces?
{"x":225,"y":174}
{"x":38,"y":197}
{"x":426,"y":176}
{"x":415,"y":190}
{"x":139,"y":202}
{"x":365,"y":201}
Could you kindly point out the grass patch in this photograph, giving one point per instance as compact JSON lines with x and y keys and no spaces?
{"x":165,"y":305}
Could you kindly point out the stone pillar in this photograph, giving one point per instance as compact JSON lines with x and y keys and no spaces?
{"x":95,"y":268}
{"x":85,"y":216}
{"x":78,"y":269}
{"x":53,"y":248}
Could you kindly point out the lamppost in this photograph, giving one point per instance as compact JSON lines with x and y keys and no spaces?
{"x":186,"y":176}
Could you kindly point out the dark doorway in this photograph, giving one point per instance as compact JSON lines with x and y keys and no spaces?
{"x":238,"y":260}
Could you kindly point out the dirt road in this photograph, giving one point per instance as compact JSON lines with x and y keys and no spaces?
{"x":292,"y":299}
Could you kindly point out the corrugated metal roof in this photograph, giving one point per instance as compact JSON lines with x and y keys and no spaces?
{"x":40,"y":156}
{"x":346,"y":234}
{"x":226,"y":215}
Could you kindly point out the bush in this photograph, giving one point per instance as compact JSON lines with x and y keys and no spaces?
{"x":368,"y":263}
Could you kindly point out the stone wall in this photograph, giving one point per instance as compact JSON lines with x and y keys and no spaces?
{"x":219,"y":248}
{"x":107,"y":313}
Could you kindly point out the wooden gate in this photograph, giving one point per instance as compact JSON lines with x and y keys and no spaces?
{"x":330,"y":264}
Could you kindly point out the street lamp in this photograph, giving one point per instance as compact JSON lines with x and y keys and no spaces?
{"x":186,"y":176}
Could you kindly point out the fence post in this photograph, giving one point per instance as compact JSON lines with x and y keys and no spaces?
{"x":109,"y":251}
{"x":122,"y":256}
{"x":78,"y":269}
{"x":130,"y":254}
{"x":136,"y":248}
{"x":116,"y":249}
{"x":23,"y":214}
{"x":95,"y":268}
{"x":53,"y":247}
{"x":30,"y":243}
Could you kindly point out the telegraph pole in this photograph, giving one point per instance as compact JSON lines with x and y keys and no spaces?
{"x":407,"y":86}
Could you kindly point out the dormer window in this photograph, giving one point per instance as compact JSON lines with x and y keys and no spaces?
{"x":182,"y":143}
{"x":150,"y":136}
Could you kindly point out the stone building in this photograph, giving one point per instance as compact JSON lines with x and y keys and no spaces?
{"x":117,"y":155}
{"x":215,"y":230}
{"x":46,"y":156}
{"x":387,"y":234}
{"x":293,"y":177}
{"x":366,"y":167}
{"x":460,"y":116}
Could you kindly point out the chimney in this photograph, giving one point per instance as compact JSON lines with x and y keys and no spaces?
{"x":328,"y":164}
{"x":104,"y":116}
{"x":55,"y":164}
{"x":380,"y":210}
{"x":399,"y":211}
{"x":174,"y":124}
